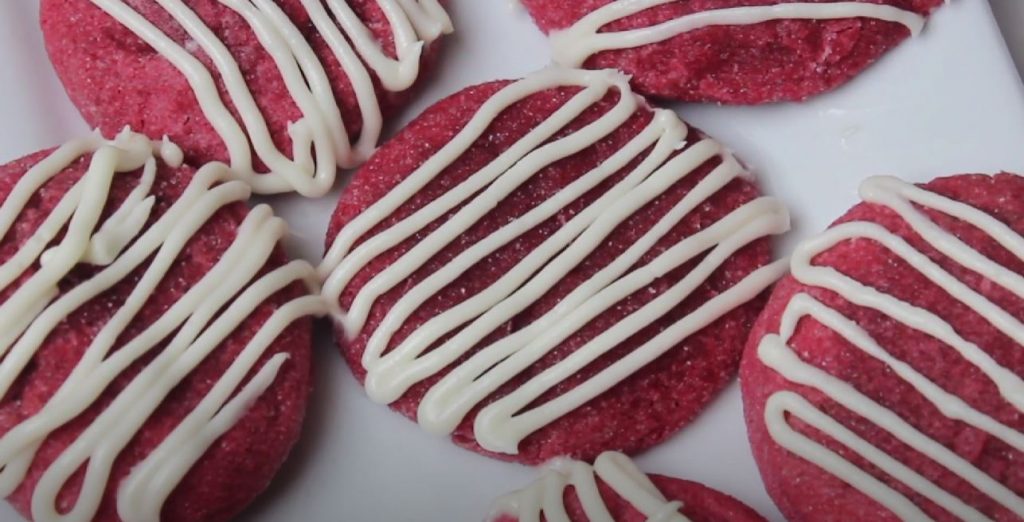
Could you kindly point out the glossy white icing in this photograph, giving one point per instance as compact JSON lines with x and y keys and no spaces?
{"x":320,"y":143}
{"x":585,"y":38}
{"x":501,"y":425}
{"x":905,"y":200}
{"x":192,"y":327}
{"x":545,"y":497}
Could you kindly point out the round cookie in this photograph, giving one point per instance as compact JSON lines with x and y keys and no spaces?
{"x":885,"y":396}
{"x":100,"y":384}
{"x":553,"y":228}
{"x":624,"y":493}
{"x":729,"y":51}
{"x":225,"y":91}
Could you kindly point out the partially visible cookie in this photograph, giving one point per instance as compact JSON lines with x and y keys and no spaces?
{"x":286,"y":92}
{"x":156,"y":340}
{"x":549,"y":267}
{"x":729,"y":51}
{"x":883,"y":380}
{"x":615,"y":489}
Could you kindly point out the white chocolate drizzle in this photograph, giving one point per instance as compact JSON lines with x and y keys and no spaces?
{"x":501,"y":425}
{"x":192,"y":327}
{"x":573,"y":45}
{"x":904,"y":199}
{"x":320,"y":142}
{"x":546,"y":496}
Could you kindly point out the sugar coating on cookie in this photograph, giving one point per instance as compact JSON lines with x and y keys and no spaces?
{"x":156,"y":341}
{"x":287,"y":92}
{"x":615,"y":489}
{"x":548,"y":267}
{"x":883,"y":380}
{"x":729,"y":51}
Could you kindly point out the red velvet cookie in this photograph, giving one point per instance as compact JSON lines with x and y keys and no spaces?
{"x":720,"y":54}
{"x":617,"y":479}
{"x":474,"y":256}
{"x":887,"y":394}
{"x":266,"y":119}
{"x":227,"y":461}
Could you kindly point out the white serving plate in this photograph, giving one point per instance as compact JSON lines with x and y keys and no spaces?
{"x":948,"y":101}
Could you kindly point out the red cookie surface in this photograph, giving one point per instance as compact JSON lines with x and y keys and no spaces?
{"x":115,"y":79}
{"x":786,"y":60}
{"x":700,"y":503}
{"x":805,"y":492}
{"x":645,"y":408}
{"x":239,"y":464}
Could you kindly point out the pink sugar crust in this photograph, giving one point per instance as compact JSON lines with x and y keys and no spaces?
{"x":116,"y":79}
{"x":806,"y":493}
{"x":240,"y":464}
{"x":700,"y":503}
{"x":647,"y":407}
{"x":786,"y":60}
